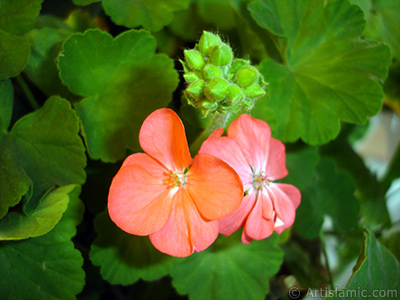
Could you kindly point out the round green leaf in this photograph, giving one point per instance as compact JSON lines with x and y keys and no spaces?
{"x":331,"y":194}
{"x":49,"y":148}
{"x":14,"y":54}
{"x":329,"y":75}
{"x":229,"y":269}
{"x":41,"y":69}
{"x":124,"y":81}
{"x":124,"y":258}
{"x":45,"y":267}
{"x":17,"y":17}
{"x":14,"y":182}
{"x":84,"y":2}
{"x":151,"y":14}
{"x":6,"y":102}
{"x":17,"y":226}
{"x":376,"y":274}
{"x":383,"y":22}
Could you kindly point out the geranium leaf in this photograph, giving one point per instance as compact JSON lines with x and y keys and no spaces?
{"x":328,"y":195}
{"x":41,"y":69}
{"x":17,"y":17}
{"x":124,"y":81}
{"x":301,"y":165}
{"x":14,"y":182}
{"x":84,"y":2}
{"x":329,"y":74}
{"x":124,"y":258}
{"x":17,"y":226}
{"x":14,"y":54}
{"x":45,"y":267}
{"x":6,"y":101}
{"x":210,"y":11}
{"x":151,"y":14}
{"x":376,"y":274}
{"x":229,"y":269}
{"x":49,"y":148}
{"x":383,"y":23}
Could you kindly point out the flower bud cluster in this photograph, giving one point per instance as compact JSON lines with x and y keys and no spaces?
{"x":217,"y":82}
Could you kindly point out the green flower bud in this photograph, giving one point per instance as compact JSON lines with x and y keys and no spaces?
{"x":221,"y":55}
{"x":210,"y":106}
{"x":235,"y":94}
{"x":207,"y":41}
{"x":216,"y":89}
{"x":254,"y":91}
{"x":194,"y":59}
{"x":192,"y":76}
{"x":247,"y":76}
{"x":237,"y":64}
{"x":195,"y":90}
{"x":211,"y":71}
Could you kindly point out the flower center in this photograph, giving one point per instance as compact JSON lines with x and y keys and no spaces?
{"x":260,"y":180}
{"x":175,"y":179}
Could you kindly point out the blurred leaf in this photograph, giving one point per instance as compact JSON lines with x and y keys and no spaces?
{"x":41,"y":68}
{"x":84,"y":2}
{"x":17,"y":17}
{"x":151,"y":14}
{"x":220,"y":13}
{"x":376,"y":274}
{"x":229,"y":269}
{"x":124,"y":81}
{"x":301,"y":166}
{"x":17,"y":226}
{"x":369,"y":191}
{"x":6,"y":101}
{"x":383,"y":22}
{"x":45,"y":267}
{"x":330,"y":74}
{"x":49,"y":148}
{"x":331,"y":194}
{"x":14,"y":182}
{"x":124,"y":258}
{"x":14,"y":54}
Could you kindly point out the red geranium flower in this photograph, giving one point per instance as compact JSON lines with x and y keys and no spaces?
{"x":259,"y":160}
{"x":165,"y":194}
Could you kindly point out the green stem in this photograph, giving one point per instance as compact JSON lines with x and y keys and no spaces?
{"x":28,"y":93}
{"x":325,"y":254}
{"x":218,"y":121}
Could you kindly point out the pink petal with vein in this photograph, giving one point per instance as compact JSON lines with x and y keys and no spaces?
{"x":186,"y":231}
{"x":286,"y":199}
{"x":163,"y":137}
{"x":138,"y":202}
{"x":253,"y":137}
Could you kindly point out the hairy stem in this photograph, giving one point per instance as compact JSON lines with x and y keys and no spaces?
{"x":218,"y":121}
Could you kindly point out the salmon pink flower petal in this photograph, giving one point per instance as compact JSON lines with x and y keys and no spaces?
{"x":186,"y":231}
{"x":148,"y":163}
{"x":215,"y":192}
{"x":163,"y":137}
{"x":229,"y":151}
{"x":253,"y":137}
{"x":138,"y":202}
{"x":276,"y":167}
{"x":237,"y":219}
{"x":257,"y":226}
{"x":165,"y":194}
{"x":286,"y":199}
{"x":259,"y":159}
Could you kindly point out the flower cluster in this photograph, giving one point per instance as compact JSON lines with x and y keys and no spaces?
{"x":218,"y":82}
{"x":183,"y":203}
